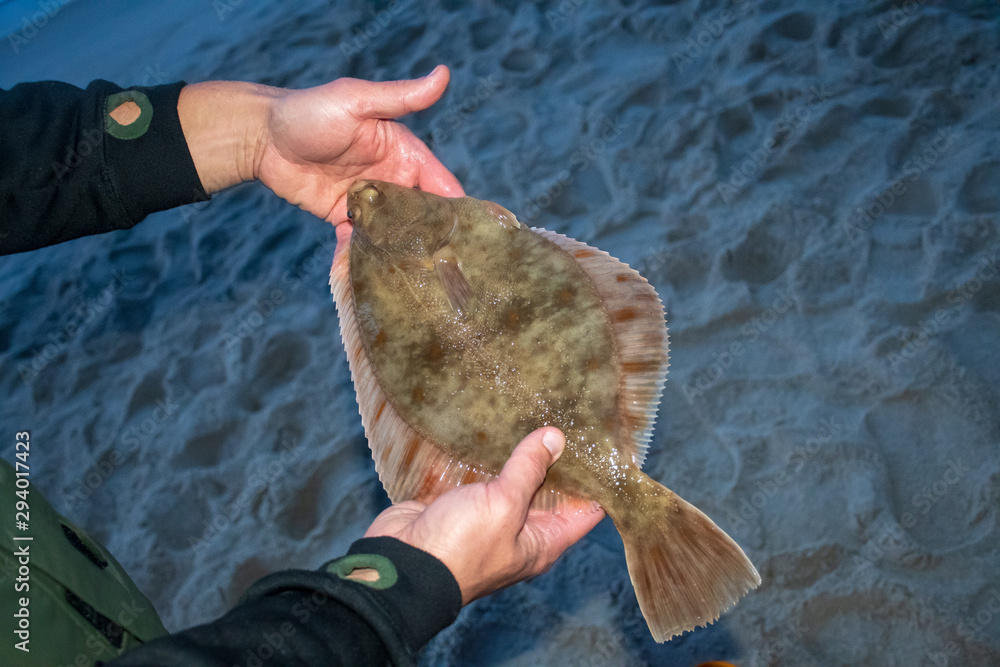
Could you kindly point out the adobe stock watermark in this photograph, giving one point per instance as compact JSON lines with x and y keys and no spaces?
{"x":263,"y":307}
{"x":154,"y":75}
{"x":898,"y":16}
{"x":252,"y":320}
{"x":561,"y":12}
{"x":80,"y":316}
{"x":706,"y":378}
{"x":454,"y":118}
{"x":270,"y":643}
{"x":892,"y":537}
{"x":710,"y":29}
{"x":964,"y":397}
{"x":917,"y":337}
{"x":33,"y":23}
{"x":258,"y":480}
{"x":112,"y":628}
{"x":864,"y":217}
{"x":787,"y":124}
{"x":929,"y":496}
{"x":970,"y":628}
{"x":364,"y":35}
{"x":199,"y":202}
{"x":90,"y":139}
{"x":653,"y":262}
{"x":225,"y":7}
{"x":579,"y":161}
{"x":749,"y":506}
{"x":130,"y":440}
{"x":777,"y":648}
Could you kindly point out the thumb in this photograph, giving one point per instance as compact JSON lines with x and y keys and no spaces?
{"x":525,"y":470}
{"x":391,"y":99}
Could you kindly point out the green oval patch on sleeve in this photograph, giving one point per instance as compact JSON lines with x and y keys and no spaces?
{"x":387,"y":575}
{"x":136,"y":128}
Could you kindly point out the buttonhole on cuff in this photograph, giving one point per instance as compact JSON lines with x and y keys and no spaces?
{"x":384,"y":574}
{"x":128,"y":114}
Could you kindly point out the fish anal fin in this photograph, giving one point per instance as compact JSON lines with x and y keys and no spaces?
{"x":549,"y":500}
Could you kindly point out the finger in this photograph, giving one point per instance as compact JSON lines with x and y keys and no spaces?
{"x":344,"y":231}
{"x":435,"y":177}
{"x":525,"y":470}
{"x":338,"y":215}
{"x":565,"y":530}
{"x":392,"y":99}
{"x":552,"y":534}
{"x":394,"y":519}
{"x":432,"y":176}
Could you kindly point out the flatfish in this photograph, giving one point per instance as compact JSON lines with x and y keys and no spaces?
{"x":465,"y":330}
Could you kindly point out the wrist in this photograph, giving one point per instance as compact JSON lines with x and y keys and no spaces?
{"x":225,"y":126}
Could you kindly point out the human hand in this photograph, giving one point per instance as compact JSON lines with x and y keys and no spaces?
{"x":309,"y":145}
{"x":320,"y":140}
{"x":485,"y":533}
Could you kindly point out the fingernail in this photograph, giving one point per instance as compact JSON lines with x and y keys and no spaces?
{"x":555,"y":443}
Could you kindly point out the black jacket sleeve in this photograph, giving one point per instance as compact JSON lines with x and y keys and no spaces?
{"x":298,"y":618}
{"x":67,"y":169}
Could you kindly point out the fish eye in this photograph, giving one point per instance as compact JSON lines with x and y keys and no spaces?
{"x":372,"y":195}
{"x":350,"y":214}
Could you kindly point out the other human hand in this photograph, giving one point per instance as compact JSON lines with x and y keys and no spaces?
{"x":486,"y":534}
{"x":309,"y":145}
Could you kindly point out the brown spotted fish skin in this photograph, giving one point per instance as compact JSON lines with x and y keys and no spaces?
{"x":466,"y":330}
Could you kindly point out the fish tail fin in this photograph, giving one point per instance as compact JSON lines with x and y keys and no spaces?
{"x":685,"y":570}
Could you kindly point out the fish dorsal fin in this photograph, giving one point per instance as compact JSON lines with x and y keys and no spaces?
{"x":410,"y":466}
{"x":640,"y":334}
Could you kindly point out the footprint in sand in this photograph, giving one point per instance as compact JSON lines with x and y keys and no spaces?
{"x":980,"y":192}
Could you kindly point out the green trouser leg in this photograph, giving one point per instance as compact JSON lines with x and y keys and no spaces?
{"x":62,"y":596}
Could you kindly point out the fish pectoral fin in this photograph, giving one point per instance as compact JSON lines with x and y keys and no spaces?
{"x":454,"y":283}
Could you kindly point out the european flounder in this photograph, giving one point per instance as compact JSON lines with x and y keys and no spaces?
{"x":465,"y":331}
